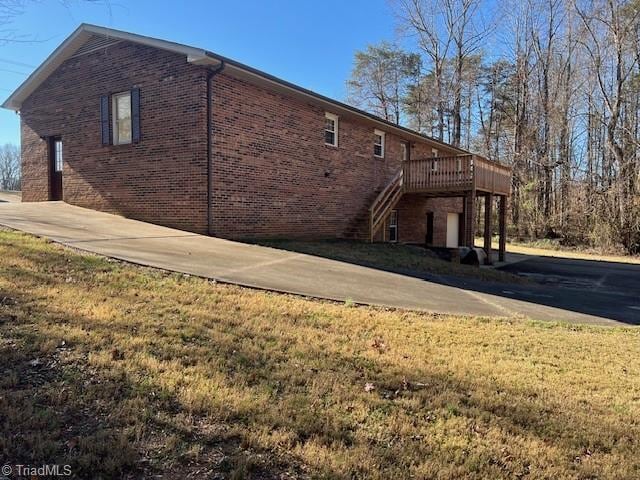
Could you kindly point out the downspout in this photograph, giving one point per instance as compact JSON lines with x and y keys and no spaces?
{"x":210,"y":75}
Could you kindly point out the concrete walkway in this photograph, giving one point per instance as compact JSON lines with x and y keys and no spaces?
{"x":10,"y":196}
{"x":263,"y":267}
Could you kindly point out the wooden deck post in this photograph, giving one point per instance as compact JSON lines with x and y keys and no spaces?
{"x":488,"y":228}
{"x":469,"y":213}
{"x":502,"y":228}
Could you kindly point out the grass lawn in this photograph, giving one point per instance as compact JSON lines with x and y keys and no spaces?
{"x":407,"y":259}
{"x":545,"y":248}
{"x":123,"y":371}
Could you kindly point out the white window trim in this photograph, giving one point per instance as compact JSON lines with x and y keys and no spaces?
{"x":58,"y":164}
{"x":114,"y":118}
{"x":382,"y":142}
{"x":334,"y":117}
{"x":393,"y":225}
{"x":404,"y":150}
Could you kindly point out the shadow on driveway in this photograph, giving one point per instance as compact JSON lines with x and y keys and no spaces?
{"x":610,"y":290}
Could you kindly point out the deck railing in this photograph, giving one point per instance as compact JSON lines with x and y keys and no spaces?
{"x":491,"y":176}
{"x":460,"y":172}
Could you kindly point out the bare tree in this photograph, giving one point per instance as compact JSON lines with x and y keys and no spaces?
{"x":380,"y":79}
{"x":9,"y":167}
{"x":425,"y":19}
{"x":611,"y":44}
{"x":560,"y":103}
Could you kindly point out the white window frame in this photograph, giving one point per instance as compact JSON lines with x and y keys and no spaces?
{"x":381,"y":134}
{"x":404,"y":150}
{"x":393,"y":226}
{"x":335,"y":119}
{"x":58,"y":163}
{"x":114,"y":118}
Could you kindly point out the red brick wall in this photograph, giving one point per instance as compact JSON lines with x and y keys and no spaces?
{"x":412,"y":218}
{"x":440,"y":207}
{"x":35,"y":165}
{"x":273,"y":175}
{"x":162,"y":179}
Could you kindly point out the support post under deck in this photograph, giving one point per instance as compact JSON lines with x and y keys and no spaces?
{"x":488,"y":227}
{"x":502,"y":228}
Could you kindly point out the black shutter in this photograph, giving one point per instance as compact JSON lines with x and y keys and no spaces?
{"x":104,"y":119}
{"x":135,"y":115}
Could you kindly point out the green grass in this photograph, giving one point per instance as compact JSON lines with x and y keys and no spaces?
{"x":123,"y":371}
{"x":406,"y":259}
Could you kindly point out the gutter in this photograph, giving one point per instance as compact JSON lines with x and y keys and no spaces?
{"x":236,"y":67}
{"x":210,"y":75}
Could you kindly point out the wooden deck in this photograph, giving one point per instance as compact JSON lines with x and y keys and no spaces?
{"x":468,"y":176}
{"x":443,"y":176}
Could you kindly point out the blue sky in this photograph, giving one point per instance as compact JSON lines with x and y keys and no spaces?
{"x":308,"y":43}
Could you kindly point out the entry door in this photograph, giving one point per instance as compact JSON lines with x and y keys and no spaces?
{"x":55,"y":169}
{"x":453,"y":230}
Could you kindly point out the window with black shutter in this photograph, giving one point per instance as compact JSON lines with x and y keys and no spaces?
{"x":104,"y":120}
{"x":124,"y":111}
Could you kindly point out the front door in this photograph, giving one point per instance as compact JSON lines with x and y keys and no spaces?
{"x":453,"y":225}
{"x":55,"y":168}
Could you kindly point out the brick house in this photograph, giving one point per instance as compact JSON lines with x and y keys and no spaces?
{"x":183,"y":137}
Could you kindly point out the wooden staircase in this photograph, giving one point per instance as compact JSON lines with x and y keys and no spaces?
{"x":384,"y":203}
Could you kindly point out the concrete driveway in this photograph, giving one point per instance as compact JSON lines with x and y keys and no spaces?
{"x":10,"y":196}
{"x":279,"y":270}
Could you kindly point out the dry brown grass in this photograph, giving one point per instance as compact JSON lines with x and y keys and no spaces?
{"x":127,"y":371}
{"x":405,"y":259}
{"x":548,"y":249}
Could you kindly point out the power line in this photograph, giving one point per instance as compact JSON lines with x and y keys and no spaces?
{"x":13,"y":71}
{"x":13,"y":62}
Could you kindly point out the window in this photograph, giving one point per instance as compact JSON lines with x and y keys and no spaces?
{"x":121,"y":112}
{"x":57,"y":145}
{"x":404,"y":151}
{"x":120,"y":118}
{"x":331,"y":129}
{"x":434,"y":152}
{"x":378,"y":144}
{"x":393,"y":226}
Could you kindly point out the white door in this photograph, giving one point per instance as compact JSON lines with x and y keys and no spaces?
{"x":453,"y":224}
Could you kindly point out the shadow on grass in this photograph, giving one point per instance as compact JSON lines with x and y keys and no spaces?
{"x":410,"y":260}
{"x":117,"y":421}
{"x":619,"y":304}
{"x":113,"y":415}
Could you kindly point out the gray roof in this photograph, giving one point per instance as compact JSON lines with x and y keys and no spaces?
{"x":199,"y":56}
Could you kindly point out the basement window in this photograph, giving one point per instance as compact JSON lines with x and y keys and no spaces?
{"x":378,"y":143}
{"x":121,"y":112}
{"x":393,"y":226}
{"x":331,"y":129}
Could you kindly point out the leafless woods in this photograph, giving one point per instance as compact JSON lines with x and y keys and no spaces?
{"x":9,"y":167}
{"x":550,"y":87}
